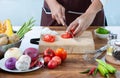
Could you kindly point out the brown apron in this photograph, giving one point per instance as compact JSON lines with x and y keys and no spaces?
{"x":74,"y":8}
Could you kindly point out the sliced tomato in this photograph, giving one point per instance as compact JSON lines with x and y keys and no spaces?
{"x":67,"y":35}
{"x":48,"y":38}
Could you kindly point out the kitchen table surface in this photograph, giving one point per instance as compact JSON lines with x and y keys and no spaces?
{"x":70,"y":68}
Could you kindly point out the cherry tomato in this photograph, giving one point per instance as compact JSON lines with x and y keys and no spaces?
{"x":61,"y":53}
{"x":46,"y":60}
{"x":49,"y":52}
{"x":48,"y":38}
{"x":57,"y":59}
{"x":52,"y":64}
{"x":67,"y":35}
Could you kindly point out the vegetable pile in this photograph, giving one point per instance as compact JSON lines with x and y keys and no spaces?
{"x":104,"y":69}
{"x":52,"y":58}
{"x":7,"y":36}
{"x":15,"y":59}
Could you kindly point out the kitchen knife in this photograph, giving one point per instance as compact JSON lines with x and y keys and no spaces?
{"x":99,"y":51}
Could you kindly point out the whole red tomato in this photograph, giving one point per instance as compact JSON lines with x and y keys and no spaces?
{"x":52,"y":64}
{"x":49,"y":52}
{"x":46,"y":60}
{"x":61,"y":53}
{"x":66,"y":35}
{"x":48,"y":38}
{"x":57,"y":59}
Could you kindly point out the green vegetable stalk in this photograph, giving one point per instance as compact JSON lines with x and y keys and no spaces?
{"x":103,"y":71}
{"x":110,"y":68}
{"x":25,"y":28}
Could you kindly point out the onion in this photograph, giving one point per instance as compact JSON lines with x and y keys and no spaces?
{"x":13,"y":52}
{"x":32,"y":52}
{"x":10,"y":63}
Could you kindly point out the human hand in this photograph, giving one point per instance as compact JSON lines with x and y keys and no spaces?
{"x":58,"y":12}
{"x":81,"y":23}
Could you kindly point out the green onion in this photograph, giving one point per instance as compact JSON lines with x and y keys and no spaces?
{"x":26,"y":27}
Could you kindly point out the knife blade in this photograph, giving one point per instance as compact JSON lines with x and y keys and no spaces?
{"x":100,"y":50}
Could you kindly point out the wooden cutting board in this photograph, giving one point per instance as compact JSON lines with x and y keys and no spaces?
{"x":85,"y":42}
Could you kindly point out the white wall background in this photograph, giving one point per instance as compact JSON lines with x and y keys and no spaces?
{"x":112,"y":12}
{"x":20,"y":11}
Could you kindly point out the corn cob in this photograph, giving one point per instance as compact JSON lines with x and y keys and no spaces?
{"x":103,"y":71}
{"x":110,"y":68}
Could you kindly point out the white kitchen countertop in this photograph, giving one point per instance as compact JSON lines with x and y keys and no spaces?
{"x":35,"y":33}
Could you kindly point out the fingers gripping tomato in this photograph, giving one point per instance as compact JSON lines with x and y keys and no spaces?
{"x":61,"y":53}
{"x":72,"y":31}
{"x":48,"y":38}
{"x":66,"y":35}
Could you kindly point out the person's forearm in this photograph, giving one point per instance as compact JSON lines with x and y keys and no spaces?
{"x":95,"y":7}
{"x":51,"y":3}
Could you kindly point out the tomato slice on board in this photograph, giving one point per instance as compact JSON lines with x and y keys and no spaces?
{"x":66,"y":35}
{"x":48,"y":38}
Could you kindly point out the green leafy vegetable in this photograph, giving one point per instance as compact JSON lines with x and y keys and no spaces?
{"x":102,"y":30}
{"x":27,"y":26}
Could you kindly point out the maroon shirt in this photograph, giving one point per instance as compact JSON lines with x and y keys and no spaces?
{"x":79,"y":6}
